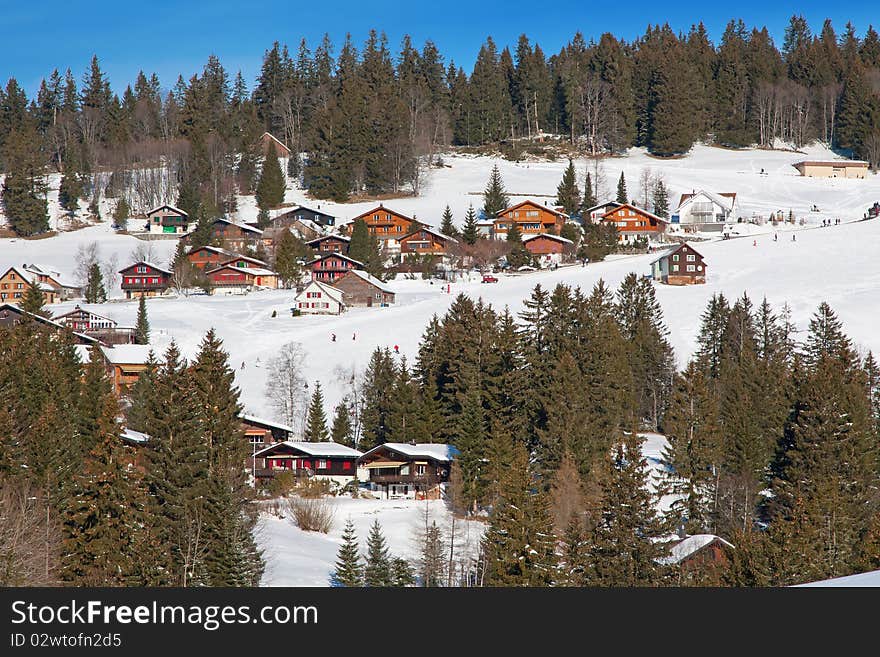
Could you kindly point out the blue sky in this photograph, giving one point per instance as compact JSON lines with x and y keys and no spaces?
{"x":171,"y":37}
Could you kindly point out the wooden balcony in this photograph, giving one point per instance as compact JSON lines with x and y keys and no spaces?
{"x":427,"y":479}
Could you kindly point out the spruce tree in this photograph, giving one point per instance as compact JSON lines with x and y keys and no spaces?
{"x":364,"y":247}
{"x":316,"y":420}
{"x":94,"y":291}
{"x":567,"y":193}
{"x":142,"y":328}
{"x":469,"y":232}
{"x":589,"y":195}
{"x":494,"y":197}
{"x":377,"y":562}
{"x":402,"y":573}
{"x":446,"y":225}
{"x":349,"y":570}
{"x":432,"y":562}
{"x":622,"y":196}
{"x":121,"y":214}
{"x":341,"y":430}
{"x":377,"y":406}
{"x":289,"y":256}
{"x":24,"y":186}
{"x":661,"y":200}
{"x":270,"y":189}
{"x":33,"y":300}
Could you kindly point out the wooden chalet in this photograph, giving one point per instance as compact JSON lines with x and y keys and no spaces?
{"x":105,"y":329}
{"x":15,"y":282}
{"x":681,"y":265}
{"x":361,"y":289}
{"x":330,"y":244}
{"x":232,"y":236}
{"x":168,"y":220}
{"x":388,"y":225}
{"x":12,"y":315}
{"x":268,"y":140}
{"x":302,"y":213}
{"x":233,"y":279}
{"x":548,"y":248}
{"x":144,"y":279}
{"x":318,"y":298}
{"x":330,"y":267}
{"x":697,"y":558}
{"x":531,"y":218}
{"x":260,"y":432}
{"x":326,"y":460}
{"x":634,"y":223}
{"x":406,"y":470}
{"x":426,"y":241}
{"x":125,"y":363}
{"x":65,"y":288}
{"x":208,"y":257}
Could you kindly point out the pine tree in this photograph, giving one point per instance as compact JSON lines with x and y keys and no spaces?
{"x":316,"y":420}
{"x":622,"y":196}
{"x":379,"y":377}
{"x":94,"y":291}
{"x":446,"y":225}
{"x":121,"y":213}
{"x":349,"y":570}
{"x":33,"y":300}
{"x":518,"y":545}
{"x":341,"y":431}
{"x":378,"y":564}
{"x":567,"y":193}
{"x":402,"y":573}
{"x":24,"y":186}
{"x":432,"y":562}
{"x":270,"y":188}
{"x":589,"y":195}
{"x":661,"y":200}
{"x":494,"y":197}
{"x":364,"y":247}
{"x":142,"y":328}
{"x":469,"y":232}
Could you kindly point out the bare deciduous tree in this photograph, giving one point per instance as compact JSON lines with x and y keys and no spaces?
{"x":286,"y":387}
{"x":29,"y":538}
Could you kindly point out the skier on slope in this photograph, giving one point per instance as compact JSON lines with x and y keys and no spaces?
{"x":332,"y":337}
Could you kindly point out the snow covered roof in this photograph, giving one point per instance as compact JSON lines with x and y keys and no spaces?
{"x":321,"y":256}
{"x":436,"y":233}
{"x":15,"y":309}
{"x":170,"y":207}
{"x":148,"y":264}
{"x":332,"y":292}
{"x":266,"y":423}
{"x":723,"y":199}
{"x":238,"y":256}
{"x":325,"y":448}
{"x":244,"y":227}
{"x":871,"y":578}
{"x":486,"y":222}
{"x":317,"y":240}
{"x":275,"y":139}
{"x":599,"y":206}
{"x":127,"y":354}
{"x":549,"y":236}
{"x":689,"y":546}
{"x":671,"y":250}
{"x":372,"y":280}
{"x":20,"y":271}
{"x":835,"y":163}
{"x":77,"y":309}
{"x":44,"y":270}
{"x":638,"y":210}
{"x":137,"y":437}
{"x":436,"y":451}
{"x":213,"y":249}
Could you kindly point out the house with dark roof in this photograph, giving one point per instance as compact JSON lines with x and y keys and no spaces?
{"x":325,"y":460}
{"x":680,"y":265}
{"x":407,"y":470}
{"x":144,"y":279}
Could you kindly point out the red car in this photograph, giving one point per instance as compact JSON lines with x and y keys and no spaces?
{"x":489,"y":278}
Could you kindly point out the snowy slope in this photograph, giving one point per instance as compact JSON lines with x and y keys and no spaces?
{"x":871,"y":579}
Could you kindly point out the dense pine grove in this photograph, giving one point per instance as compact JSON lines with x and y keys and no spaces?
{"x":369,"y":118}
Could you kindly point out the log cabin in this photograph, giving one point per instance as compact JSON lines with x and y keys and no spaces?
{"x":530,"y":217}
{"x":407,"y":470}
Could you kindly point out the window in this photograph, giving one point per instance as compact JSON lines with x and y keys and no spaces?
{"x":346,"y":465}
{"x":692,"y":258}
{"x":674,"y":267}
{"x":691,"y":268}
{"x":420,"y":469}
{"x":140,"y":269}
{"x":322,"y":464}
{"x":675,"y":258}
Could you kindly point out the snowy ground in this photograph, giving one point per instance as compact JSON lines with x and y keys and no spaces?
{"x":298,"y":558}
{"x":871,"y":579}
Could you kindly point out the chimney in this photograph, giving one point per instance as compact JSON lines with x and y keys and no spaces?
{"x":682,"y":534}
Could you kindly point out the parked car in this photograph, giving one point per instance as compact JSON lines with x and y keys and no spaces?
{"x":489,"y":278}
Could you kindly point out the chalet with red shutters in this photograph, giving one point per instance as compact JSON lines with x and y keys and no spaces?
{"x":319,"y":298}
{"x":634,"y":223}
{"x":325,"y":460}
{"x":388,"y":225}
{"x":680,"y":265}
{"x":330,"y":244}
{"x":231,"y":278}
{"x":330,"y":267}
{"x":409,"y":471}
{"x":268,"y":140}
{"x":426,"y":241}
{"x":531,"y":218}
{"x":144,"y":279}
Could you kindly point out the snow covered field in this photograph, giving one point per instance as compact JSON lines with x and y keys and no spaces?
{"x":837,"y":264}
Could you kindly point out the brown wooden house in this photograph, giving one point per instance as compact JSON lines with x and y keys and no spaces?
{"x":325,"y":460}
{"x":208,"y":257}
{"x":426,"y":241}
{"x":105,"y":329}
{"x":531,"y":218}
{"x":697,"y":559}
{"x":12,"y":314}
{"x":406,"y":470}
{"x":125,"y":363}
{"x":144,"y":279}
{"x":361,"y":289}
{"x":15,"y":282}
{"x":233,"y":279}
{"x":302,"y":213}
{"x":388,"y":225}
{"x":330,"y":267}
{"x":681,"y":265}
{"x":268,"y":140}
{"x":635,"y":223}
{"x":330,"y":244}
{"x":65,"y":288}
{"x":232,"y":236}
